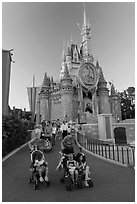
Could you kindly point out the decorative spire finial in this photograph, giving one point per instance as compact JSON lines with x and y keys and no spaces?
{"x":33,"y":80}
{"x":85,"y":19}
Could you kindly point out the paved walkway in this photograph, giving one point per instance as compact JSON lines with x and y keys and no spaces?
{"x":111,"y":183}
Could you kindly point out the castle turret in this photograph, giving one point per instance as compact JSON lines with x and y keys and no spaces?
{"x":45,"y":103}
{"x":115,"y":103}
{"x":103,"y":93}
{"x":66,"y":94}
{"x":68,"y":57}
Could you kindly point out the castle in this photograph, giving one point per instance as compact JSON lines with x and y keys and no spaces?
{"x":82,"y":87}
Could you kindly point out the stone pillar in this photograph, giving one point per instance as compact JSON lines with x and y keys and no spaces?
{"x":104,"y":103}
{"x":105,"y":126}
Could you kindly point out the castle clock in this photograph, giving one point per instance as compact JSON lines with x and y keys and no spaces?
{"x":87,"y":76}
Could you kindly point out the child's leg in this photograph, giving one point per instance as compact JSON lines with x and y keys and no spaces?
{"x":40,"y":171}
{"x":46,"y":171}
{"x":46,"y":174}
{"x":87,"y":173}
{"x":76,"y":175}
{"x":72,"y":174}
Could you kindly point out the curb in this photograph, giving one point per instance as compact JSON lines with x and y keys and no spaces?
{"x":106,"y":159}
{"x":16,"y":150}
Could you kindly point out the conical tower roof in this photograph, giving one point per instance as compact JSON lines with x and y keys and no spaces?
{"x":68,"y":53}
{"x":66,"y":74}
{"x":101,"y":77}
{"x":46,"y":81}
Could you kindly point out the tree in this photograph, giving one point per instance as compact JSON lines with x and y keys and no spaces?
{"x":127,"y":104}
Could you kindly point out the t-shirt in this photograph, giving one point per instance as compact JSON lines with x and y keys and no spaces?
{"x":71,"y":164}
{"x":54,"y":129}
{"x":64,"y":127}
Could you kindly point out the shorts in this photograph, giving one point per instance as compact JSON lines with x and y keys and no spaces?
{"x":68,"y":150}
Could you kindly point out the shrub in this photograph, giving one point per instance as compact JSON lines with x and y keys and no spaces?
{"x":14,"y":133}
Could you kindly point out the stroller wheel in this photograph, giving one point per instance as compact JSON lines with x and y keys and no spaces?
{"x":48,"y":183}
{"x":34,"y":187}
{"x":68,"y":187}
{"x":79,"y":185}
{"x":90,"y":183}
{"x":62,"y":180}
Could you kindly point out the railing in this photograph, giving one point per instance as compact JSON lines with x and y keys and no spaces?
{"x":124,"y":154}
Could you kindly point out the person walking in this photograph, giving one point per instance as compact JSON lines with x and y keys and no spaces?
{"x":68,"y":143}
{"x":48,"y":131}
{"x":54,"y":132}
{"x":64,"y":128}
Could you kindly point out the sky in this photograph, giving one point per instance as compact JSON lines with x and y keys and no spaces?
{"x":36,"y":31}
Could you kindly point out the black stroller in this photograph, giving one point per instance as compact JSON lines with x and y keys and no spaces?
{"x":35,"y":177}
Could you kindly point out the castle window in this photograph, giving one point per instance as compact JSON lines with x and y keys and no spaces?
{"x":75,"y":57}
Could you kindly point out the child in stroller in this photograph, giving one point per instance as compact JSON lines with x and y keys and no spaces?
{"x":39,"y":168}
{"x":83,"y":169}
{"x":72,"y":168}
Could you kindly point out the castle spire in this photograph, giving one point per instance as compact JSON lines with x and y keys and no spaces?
{"x":33,"y":80}
{"x":85,"y":19}
{"x":68,"y":50}
{"x":63,"y":53}
{"x":86,"y":36}
{"x":66,"y":73}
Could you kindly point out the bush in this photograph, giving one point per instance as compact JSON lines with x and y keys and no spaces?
{"x":14,"y":133}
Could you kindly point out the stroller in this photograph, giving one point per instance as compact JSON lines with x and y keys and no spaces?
{"x":38,"y":165}
{"x":46,"y":141}
{"x":62,"y":166}
{"x":67,"y":179}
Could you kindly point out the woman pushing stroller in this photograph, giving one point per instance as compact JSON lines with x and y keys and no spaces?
{"x":68,"y":143}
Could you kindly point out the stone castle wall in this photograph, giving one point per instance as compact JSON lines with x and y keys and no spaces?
{"x":91,"y":130}
{"x":75,"y":108}
{"x":67,"y":105}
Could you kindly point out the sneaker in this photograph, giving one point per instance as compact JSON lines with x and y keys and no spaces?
{"x":76,"y":183}
{"x":46,"y":178}
{"x":41,"y":179}
{"x":86,"y":184}
{"x":88,"y":179}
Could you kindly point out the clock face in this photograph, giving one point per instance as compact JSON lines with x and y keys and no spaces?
{"x":87,"y":75}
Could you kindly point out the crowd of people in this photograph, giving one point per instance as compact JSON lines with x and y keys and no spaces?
{"x":54,"y":129}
